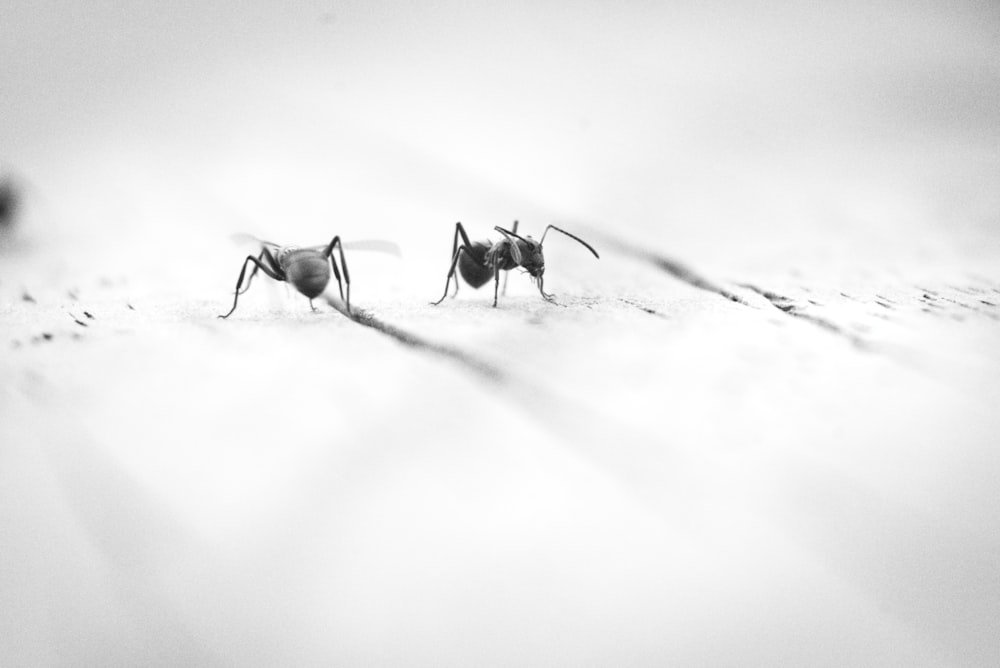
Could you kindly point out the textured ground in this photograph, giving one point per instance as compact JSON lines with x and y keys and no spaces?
{"x":647,"y":470}
{"x":761,"y":429}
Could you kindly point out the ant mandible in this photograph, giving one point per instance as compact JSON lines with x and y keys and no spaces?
{"x":480,"y":261}
{"x":308,"y":269}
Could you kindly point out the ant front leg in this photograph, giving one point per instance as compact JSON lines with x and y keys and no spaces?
{"x":343,"y":263}
{"x":547,"y":297}
{"x":239,"y":282}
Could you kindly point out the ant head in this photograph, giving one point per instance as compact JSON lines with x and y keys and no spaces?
{"x":532,"y":258}
{"x":527,"y":253}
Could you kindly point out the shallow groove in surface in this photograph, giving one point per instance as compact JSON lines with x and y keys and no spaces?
{"x":788,"y":306}
{"x":585,"y":431}
{"x":684,"y":273}
{"x":471,"y":362}
{"x":673,"y":267}
{"x":642,"y":307}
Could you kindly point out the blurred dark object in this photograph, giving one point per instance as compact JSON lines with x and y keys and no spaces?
{"x":9,"y":202}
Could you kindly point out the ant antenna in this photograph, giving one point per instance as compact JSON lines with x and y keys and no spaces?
{"x":571,"y":236}
{"x":508,"y":233}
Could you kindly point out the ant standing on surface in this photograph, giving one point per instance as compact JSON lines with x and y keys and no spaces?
{"x":480,"y":261}
{"x":308,"y":269}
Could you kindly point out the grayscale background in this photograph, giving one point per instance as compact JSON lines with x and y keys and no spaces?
{"x":760,"y":430}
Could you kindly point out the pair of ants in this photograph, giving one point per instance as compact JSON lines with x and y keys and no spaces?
{"x":308,"y":269}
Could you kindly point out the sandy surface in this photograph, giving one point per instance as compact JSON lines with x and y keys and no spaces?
{"x":761,"y":429}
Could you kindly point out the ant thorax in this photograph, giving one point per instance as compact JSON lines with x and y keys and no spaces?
{"x":501,"y":256}
{"x":284,"y":252}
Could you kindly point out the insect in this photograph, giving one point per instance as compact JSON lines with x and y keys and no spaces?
{"x":480,"y":261}
{"x":308,"y":269}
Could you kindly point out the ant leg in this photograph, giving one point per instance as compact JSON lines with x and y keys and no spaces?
{"x":465,"y":238}
{"x":459,"y":230}
{"x":328,"y":254}
{"x":343,"y":263}
{"x":336,"y":274}
{"x":455,"y":250}
{"x":451,"y":272}
{"x":264,"y":255}
{"x":548,"y":297}
{"x":506,"y":276}
{"x":496,"y":283}
{"x":252,"y":274}
{"x":239,"y":282}
{"x":515,"y":252}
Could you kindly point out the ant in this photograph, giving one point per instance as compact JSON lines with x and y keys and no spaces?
{"x":482,"y":260}
{"x":308,"y":269}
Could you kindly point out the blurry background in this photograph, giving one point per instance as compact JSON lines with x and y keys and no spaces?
{"x":712,"y":485}
{"x":688,"y":125}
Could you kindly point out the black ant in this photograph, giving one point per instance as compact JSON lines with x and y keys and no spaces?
{"x":480,"y":261}
{"x":308,"y":269}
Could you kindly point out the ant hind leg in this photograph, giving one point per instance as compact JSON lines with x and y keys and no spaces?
{"x":451,"y":271}
{"x":336,"y":272}
{"x":459,"y":231}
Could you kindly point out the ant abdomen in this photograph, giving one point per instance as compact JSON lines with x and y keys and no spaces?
{"x":310,"y":274}
{"x":472,"y":265}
